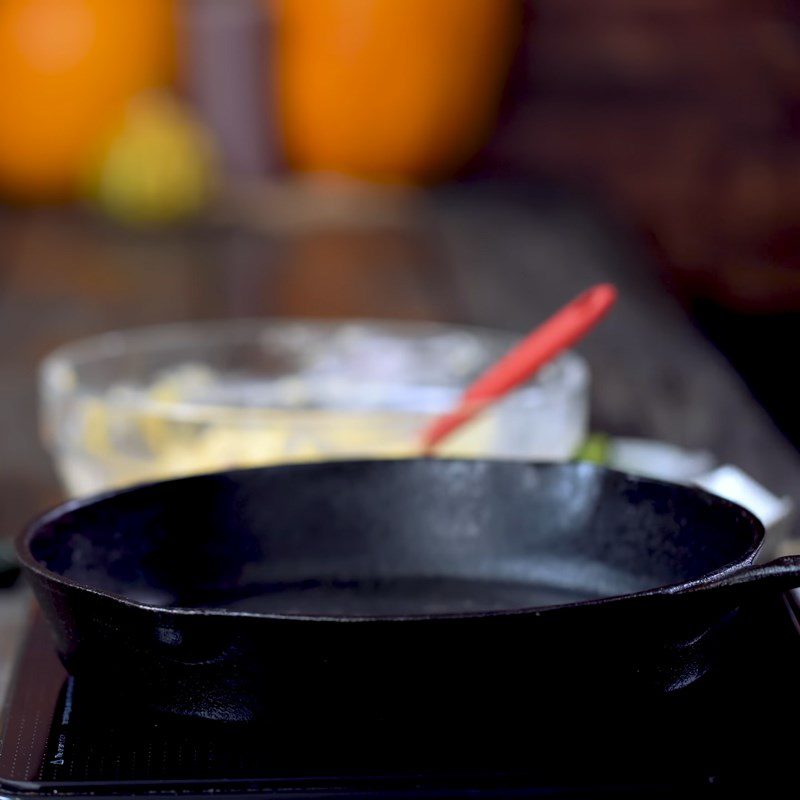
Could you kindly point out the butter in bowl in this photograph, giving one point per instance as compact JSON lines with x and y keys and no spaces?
{"x":166,"y":401}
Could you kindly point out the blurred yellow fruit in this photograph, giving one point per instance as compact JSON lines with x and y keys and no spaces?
{"x":157,"y":168}
{"x":66,"y":68}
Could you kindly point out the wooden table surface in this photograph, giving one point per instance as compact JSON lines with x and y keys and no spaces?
{"x":483,"y":253}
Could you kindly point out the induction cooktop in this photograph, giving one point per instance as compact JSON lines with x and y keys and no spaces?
{"x":63,"y":737}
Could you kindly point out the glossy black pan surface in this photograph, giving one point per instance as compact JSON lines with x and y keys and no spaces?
{"x":392,"y":539}
{"x":421,"y":573}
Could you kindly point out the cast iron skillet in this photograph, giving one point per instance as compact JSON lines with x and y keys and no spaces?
{"x":223,"y":595}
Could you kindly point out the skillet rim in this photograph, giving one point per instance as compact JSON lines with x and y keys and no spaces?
{"x":61,"y":584}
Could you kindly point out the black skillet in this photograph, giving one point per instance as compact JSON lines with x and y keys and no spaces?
{"x":224,"y":595}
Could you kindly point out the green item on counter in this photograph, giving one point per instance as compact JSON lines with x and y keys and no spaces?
{"x":596,"y":449}
{"x":9,"y":571}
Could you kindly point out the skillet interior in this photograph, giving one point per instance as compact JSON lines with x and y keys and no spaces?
{"x":402,"y":538}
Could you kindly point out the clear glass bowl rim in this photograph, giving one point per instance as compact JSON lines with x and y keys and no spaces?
{"x":568,"y":376}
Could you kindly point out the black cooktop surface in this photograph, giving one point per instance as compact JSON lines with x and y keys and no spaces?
{"x":61,"y":737}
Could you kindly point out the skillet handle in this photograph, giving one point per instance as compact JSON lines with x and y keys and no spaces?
{"x":776,"y":576}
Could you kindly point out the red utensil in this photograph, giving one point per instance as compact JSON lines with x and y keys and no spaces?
{"x":562,"y":330}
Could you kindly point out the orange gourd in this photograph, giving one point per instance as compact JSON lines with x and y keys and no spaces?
{"x":66,"y":69}
{"x":393,"y":90}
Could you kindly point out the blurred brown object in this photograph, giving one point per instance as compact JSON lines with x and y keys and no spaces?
{"x":296,"y":205}
{"x":684,"y":115}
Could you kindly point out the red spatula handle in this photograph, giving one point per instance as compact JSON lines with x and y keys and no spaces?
{"x":561,"y":331}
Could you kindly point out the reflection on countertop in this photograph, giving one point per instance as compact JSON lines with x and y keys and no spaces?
{"x":14,"y":604}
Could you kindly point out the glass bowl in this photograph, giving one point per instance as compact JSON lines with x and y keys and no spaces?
{"x":178,"y":399}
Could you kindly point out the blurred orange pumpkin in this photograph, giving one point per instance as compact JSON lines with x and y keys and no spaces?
{"x":66,"y":69}
{"x":394,"y":90}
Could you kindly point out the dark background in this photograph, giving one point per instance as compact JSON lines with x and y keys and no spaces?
{"x":680,"y":119}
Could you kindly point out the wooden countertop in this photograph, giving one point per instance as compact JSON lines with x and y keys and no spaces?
{"x":481,"y":253}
